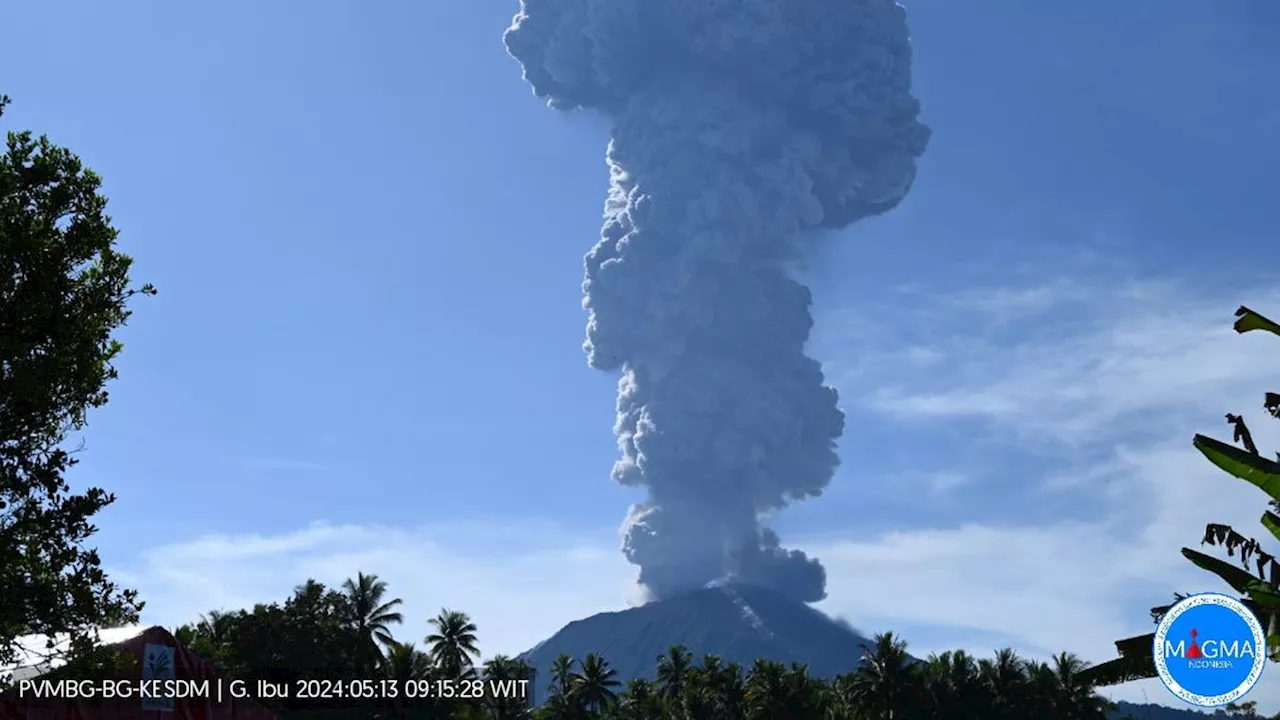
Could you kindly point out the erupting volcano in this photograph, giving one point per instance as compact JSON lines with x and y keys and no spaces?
{"x":738,"y":127}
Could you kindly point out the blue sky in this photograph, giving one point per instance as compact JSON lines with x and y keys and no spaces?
{"x":367,"y":235}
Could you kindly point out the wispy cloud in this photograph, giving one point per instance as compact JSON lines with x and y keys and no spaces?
{"x":1098,"y":387}
{"x":520,"y":582}
{"x":1085,"y":361}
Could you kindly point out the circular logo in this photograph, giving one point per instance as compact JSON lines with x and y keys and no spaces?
{"x":1209,"y":649}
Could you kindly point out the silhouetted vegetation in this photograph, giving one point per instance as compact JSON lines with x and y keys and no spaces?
{"x":63,"y":294}
{"x":1257,"y":579}
{"x":325,"y":634}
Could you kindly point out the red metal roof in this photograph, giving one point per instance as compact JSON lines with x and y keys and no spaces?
{"x":187,"y":666}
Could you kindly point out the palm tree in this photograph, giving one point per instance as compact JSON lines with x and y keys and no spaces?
{"x":806,"y":695}
{"x":767,"y":691}
{"x":370,"y":615}
{"x":408,"y":666}
{"x":309,"y":590}
{"x":405,"y":662}
{"x":841,"y":698}
{"x":951,"y":687}
{"x":453,"y":644}
{"x":731,"y":692}
{"x":1045,"y":696}
{"x":504,"y":705}
{"x":562,"y":675}
{"x":1079,"y":699}
{"x":640,"y":701}
{"x":562,"y":701}
{"x":595,"y":682}
{"x":216,"y":626}
{"x":211,"y":635}
{"x":884,"y":685}
{"x":1005,"y":679}
{"x":715,"y":689}
{"x":673,"y":673}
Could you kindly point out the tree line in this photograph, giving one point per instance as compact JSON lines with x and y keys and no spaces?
{"x":323,"y":633}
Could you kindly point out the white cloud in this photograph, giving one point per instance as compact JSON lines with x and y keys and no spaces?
{"x":1122,"y":386}
{"x":1120,"y":376}
{"x":1128,"y":355}
{"x":520,"y":582}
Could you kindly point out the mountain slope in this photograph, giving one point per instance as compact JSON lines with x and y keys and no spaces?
{"x":737,"y":622}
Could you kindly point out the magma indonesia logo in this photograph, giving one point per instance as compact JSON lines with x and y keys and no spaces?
{"x":1210,"y":649}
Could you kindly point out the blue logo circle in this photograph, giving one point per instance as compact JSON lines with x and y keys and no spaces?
{"x":1209,"y":649}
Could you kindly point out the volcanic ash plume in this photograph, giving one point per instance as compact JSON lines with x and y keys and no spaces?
{"x":738,"y":125}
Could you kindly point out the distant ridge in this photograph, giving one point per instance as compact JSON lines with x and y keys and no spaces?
{"x":1151,"y":711}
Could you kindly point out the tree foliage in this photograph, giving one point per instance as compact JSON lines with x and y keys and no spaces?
{"x":1257,"y":577}
{"x":63,"y":293}
{"x":317,"y":633}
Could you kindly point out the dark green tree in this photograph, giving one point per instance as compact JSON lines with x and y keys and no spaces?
{"x":371,"y":616}
{"x":596,"y":683}
{"x":507,"y":706}
{"x":63,"y":293}
{"x":884,"y":686}
{"x":453,"y":644}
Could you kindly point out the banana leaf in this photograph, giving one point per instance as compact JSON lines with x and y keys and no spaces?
{"x":1264,"y":596}
{"x":1248,"y":320}
{"x":1120,"y":670}
{"x":1236,"y":577}
{"x":1255,"y":469}
{"x":1271,"y":521}
{"x":1139,"y":646}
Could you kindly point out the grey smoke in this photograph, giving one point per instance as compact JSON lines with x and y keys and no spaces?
{"x":738,"y":126}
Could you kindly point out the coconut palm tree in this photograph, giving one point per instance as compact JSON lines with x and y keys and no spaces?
{"x":951,"y":687}
{"x":1078,"y":699}
{"x":453,"y":644}
{"x":370,"y":615}
{"x":673,"y":674}
{"x":715,"y":689}
{"x":884,"y":686}
{"x":640,"y":701}
{"x":562,"y":703}
{"x":406,"y":663}
{"x":211,"y":635}
{"x":1005,"y":679}
{"x":411,"y":669}
{"x":595,"y":683}
{"x":841,"y":698}
{"x":216,"y":626}
{"x":806,"y":695}
{"x":1045,"y":696}
{"x":767,"y":691}
{"x":501,"y":669}
{"x":731,"y":692}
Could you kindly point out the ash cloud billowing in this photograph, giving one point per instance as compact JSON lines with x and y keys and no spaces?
{"x":738,"y":126}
